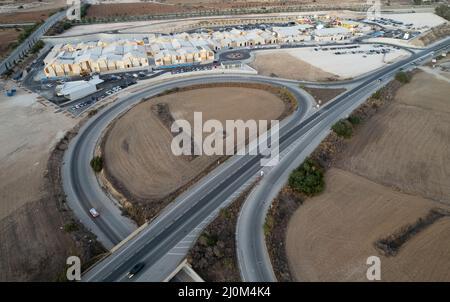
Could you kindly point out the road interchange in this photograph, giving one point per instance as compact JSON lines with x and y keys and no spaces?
{"x":196,"y":206}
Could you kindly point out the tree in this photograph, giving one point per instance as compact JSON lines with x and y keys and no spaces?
{"x":97,"y":164}
{"x":308,"y":178}
{"x":343,"y":128}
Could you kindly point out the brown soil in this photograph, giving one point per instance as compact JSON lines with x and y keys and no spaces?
{"x":132,"y":9}
{"x":34,"y":220}
{"x":284,"y":65}
{"x":406,"y":147}
{"x":25,"y":17}
{"x":331,"y":236}
{"x":392,"y":173}
{"x":8,"y":36}
{"x":137,"y":152}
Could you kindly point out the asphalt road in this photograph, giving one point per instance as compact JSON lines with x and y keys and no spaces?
{"x":254,"y":261}
{"x":26,"y":45}
{"x":193,"y":208}
{"x":80,"y":183}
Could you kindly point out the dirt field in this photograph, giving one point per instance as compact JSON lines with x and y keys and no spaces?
{"x":330,"y":236}
{"x":407,"y":146}
{"x":132,"y":9}
{"x":25,"y":17}
{"x":8,"y":36}
{"x":33,"y":244}
{"x":137,"y":150}
{"x":287,"y":66}
{"x":17,"y":6}
{"x":394,"y":170}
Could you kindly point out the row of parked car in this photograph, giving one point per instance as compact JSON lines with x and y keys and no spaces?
{"x":113,"y":90}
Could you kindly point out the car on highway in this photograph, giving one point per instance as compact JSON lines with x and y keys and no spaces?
{"x":94,"y":212}
{"x":135,"y":269}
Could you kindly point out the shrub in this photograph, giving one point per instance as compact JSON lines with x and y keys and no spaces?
{"x":443,"y":10}
{"x":210,"y":239}
{"x":92,"y":112}
{"x":343,"y":128}
{"x":268,"y":225}
{"x":37,"y":47}
{"x":97,"y":164}
{"x":308,"y":178}
{"x":70,"y":227}
{"x":402,"y":77}
{"x":377,"y":95}
{"x":354,"y":120}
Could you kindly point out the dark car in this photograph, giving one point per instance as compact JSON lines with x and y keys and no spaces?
{"x":136,"y":269}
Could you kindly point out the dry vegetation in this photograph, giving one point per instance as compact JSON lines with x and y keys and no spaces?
{"x":383,"y":191}
{"x":26,"y":17}
{"x":214,"y":254}
{"x":139,"y":162}
{"x":433,"y":35}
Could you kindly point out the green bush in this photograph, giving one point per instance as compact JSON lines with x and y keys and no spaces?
{"x":38,"y":46}
{"x":343,"y":128}
{"x":443,"y":10}
{"x":70,"y":227}
{"x":354,"y":120}
{"x":97,"y":164}
{"x":308,"y":178}
{"x":402,"y":77}
{"x":210,"y":239}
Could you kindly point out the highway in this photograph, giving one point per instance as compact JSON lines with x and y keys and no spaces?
{"x":193,"y":209}
{"x":253,"y":257}
{"x":29,"y":42}
{"x":80,"y":183}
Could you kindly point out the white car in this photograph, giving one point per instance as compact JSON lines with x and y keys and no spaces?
{"x":94,"y":213}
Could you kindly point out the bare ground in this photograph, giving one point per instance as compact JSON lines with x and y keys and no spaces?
{"x":406,"y":147}
{"x":140,"y":167}
{"x":284,"y":65}
{"x":8,"y":36}
{"x":37,"y":229}
{"x":331,"y":236}
{"x":391,"y":174}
